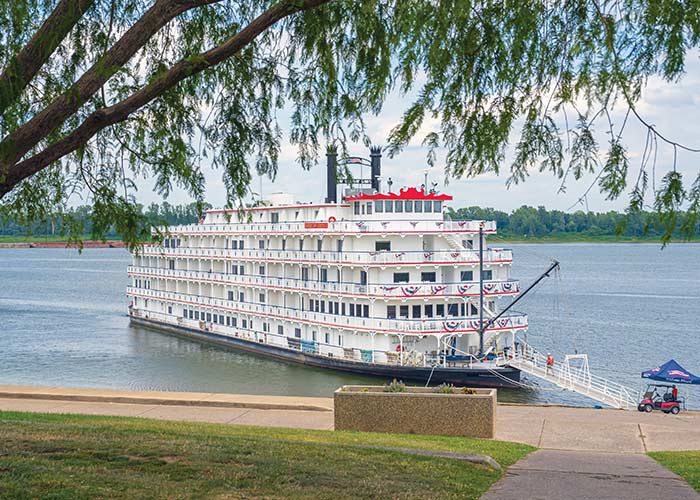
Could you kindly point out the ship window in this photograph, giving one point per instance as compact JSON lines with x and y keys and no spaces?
{"x":342,"y":309}
{"x":369,"y":208}
{"x":170,"y":309}
{"x":301,"y":244}
{"x":488,"y":274}
{"x":336,"y":307}
{"x":382,"y":246}
{"x":428,"y":277}
{"x":416,"y":311}
{"x":409,"y":206}
{"x":340,"y":245}
{"x":389,"y":206}
{"x":316,"y":214}
{"x":284,"y":244}
{"x":363,"y":277}
{"x":274,"y":217}
{"x":474,"y":310}
{"x":196,"y":315}
{"x":261,"y":270}
{"x":234,"y":244}
{"x":363,"y":209}
{"x":280,"y":330}
{"x":262,"y":298}
{"x":401,"y":277}
{"x":319,"y":245}
{"x":296,"y":215}
{"x":216,"y":319}
{"x":356,"y":208}
{"x":379,"y":206}
{"x":228,"y":320}
{"x":305,"y":274}
{"x":466,"y":275}
{"x":241,"y":270}
{"x":261,"y":244}
{"x":327,"y":338}
{"x":208,"y":316}
{"x":313,"y":335}
{"x":324,"y":275}
{"x":418,"y":206}
{"x":403,"y":311}
{"x":323,"y":306}
{"x":428,"y":310}
{"x":240,"y":244}
{"x":437,"y":207}
{"x":352,"y":309}
{"x":427,"y":206}
{"x":391,"y":312}
{"x":440,"y":310}
{"x":365,"y":311}
{"x":453,"y":309}
{"x":244,"y":323}
{"x":241,"y":297}
{"x":469,"y":244}
{"x":297,"y":333}
{"x":171,"y":265}
{"x":234,"y":321}
{"x":398,"y":206}
{"x":230,"y":295}
{"x":340,"y":340}
{"x":463,"y":309}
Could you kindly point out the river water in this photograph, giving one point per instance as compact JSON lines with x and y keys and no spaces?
{"x":630,"y":307}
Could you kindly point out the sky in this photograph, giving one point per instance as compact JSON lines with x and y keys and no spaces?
{"x":671,"y":107}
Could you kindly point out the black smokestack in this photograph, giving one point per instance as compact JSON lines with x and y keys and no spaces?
{"x":375,"y":154}
{"x":331,"y":166}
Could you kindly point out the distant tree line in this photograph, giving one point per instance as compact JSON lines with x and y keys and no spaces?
{"x":157,"y":214}
{"x":522,"y":224}
{"x":529,"y":222}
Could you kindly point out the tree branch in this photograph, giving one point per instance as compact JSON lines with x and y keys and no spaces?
{"x":26,"y":64}
{"x":183,"y":69}
{"x":19,"y":142}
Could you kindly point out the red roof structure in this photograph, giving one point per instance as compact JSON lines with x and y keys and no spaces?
{"x":404,"y":194}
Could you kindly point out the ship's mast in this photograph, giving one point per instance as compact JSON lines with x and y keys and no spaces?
{"x":481,"y":289}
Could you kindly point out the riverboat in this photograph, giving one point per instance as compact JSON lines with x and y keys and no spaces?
{"x":374,"y":282}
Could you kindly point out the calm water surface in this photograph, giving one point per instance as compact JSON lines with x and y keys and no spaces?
{"x":629,"y":306}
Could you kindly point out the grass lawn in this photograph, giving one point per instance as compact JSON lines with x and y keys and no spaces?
{"x":684,"y":463}
{"x":75,"y":456}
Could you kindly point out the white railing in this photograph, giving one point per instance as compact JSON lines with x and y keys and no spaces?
{"x":386,"y":290}
{"x":348,"y":227}
{"x":392,"y":258}
{"x":435,"y":326}
{"x":575,"y":377}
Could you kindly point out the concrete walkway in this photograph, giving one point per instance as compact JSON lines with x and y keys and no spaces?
{"x":582,"y":475}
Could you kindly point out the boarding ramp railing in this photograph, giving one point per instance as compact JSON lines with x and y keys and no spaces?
{"x":573,"y":373}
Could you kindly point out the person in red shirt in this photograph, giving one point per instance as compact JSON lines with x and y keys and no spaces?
{"x":674,"y":393}
{"x":550,"y":362}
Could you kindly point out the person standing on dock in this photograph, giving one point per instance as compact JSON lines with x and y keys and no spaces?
{"x":550,"y":362}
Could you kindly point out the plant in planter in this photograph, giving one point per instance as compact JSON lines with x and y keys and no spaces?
{"x":395,"y":386}
{"x":445,"y":389}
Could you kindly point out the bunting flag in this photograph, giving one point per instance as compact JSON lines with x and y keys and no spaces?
{"x":490,"y":288}
{"x":427,"y":255}
{"x":455,"y":254}
{"x":399,"y":255}
{"x":507,"y":286}
{"x":439,"y":224}
{"x":462,"y":223}
{"x":450,"y":326}
{"x":503,"y":322}
{"x":388,"y":288}
{"x":410,"y":290}
{"x":385,"y":223}
{"x":474,"y":324}
{"x":435,"y":289}
{"x":414,"y":223}
{"x":464,"y":289}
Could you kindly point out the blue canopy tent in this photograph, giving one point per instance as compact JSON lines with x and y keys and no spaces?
{"x":671,"y":372}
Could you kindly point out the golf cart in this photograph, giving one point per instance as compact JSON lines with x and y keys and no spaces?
{"x":659,"y":397}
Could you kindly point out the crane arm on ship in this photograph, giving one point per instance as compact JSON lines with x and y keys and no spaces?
{"x":552,"y":267}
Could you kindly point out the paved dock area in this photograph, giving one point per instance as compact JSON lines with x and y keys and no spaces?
{"x":547,"y":427}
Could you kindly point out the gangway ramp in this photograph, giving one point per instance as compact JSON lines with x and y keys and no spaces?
{"x":572,"y":374}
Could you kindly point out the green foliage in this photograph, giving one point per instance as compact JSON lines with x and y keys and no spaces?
{"x":475,"y":76}
{"x":395,"y":386}
{"x":445,"y":389}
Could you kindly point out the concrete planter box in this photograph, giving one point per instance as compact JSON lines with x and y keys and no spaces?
{"x":418,"y":410}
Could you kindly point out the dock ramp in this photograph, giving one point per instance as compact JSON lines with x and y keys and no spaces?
{"x":573,"y":374}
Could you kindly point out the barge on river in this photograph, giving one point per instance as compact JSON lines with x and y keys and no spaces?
{"x":378,"y":283}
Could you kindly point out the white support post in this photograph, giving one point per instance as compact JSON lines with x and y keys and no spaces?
{"x":401,"y":350}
